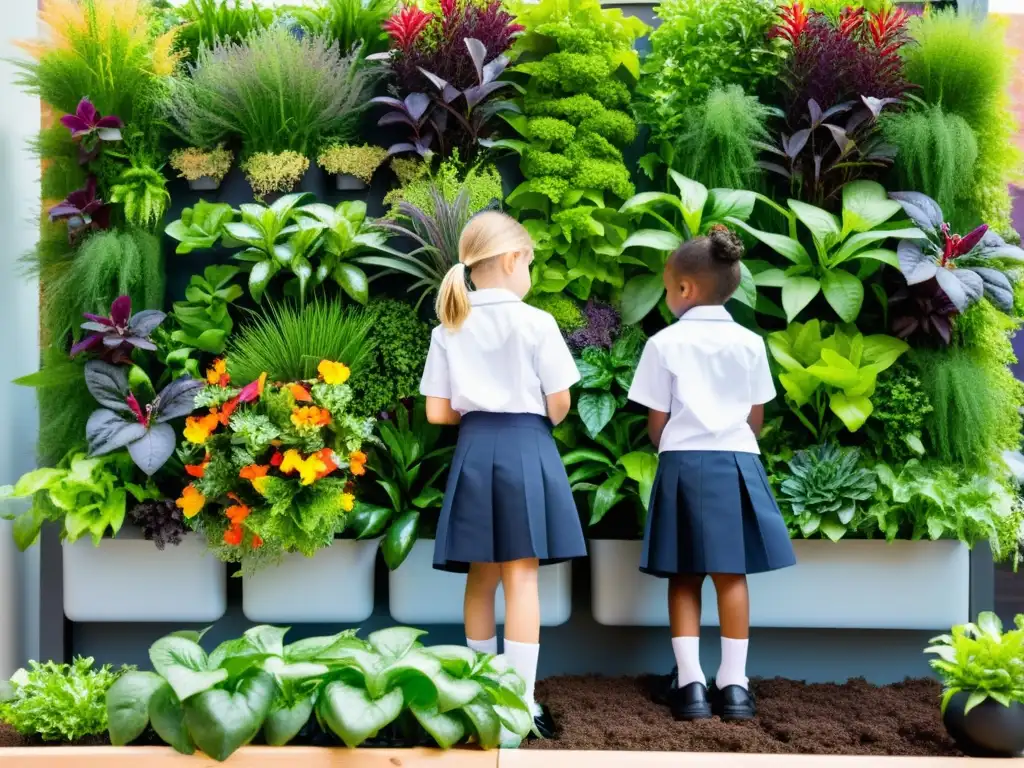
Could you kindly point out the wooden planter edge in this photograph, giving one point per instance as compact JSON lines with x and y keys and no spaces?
{"x":317,"y":757}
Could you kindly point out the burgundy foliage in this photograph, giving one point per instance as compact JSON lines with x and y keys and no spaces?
{"x":162,"y":522}
{"x":922,"y":309}
{"x":115,"y":337}
{"x":83,"y":210}
{"x":601,"y":330}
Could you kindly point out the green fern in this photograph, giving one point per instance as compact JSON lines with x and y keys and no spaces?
{"x":142,"y":191}
{"x":288,"y":342}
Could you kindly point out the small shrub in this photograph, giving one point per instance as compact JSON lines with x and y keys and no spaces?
{"x":396,"y":364}
{"x":270,"y":172}
{"x":361,"y":162}
{"x":193,"y":164}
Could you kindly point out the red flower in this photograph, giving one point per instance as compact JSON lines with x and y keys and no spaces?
{"x":956,"y":246}
{"x":233,"y":535}
{"x":406,"y":25}
{"x":257,"y":541}
{"x":793,"y":24}
{"x":276,"y":459}
{"x":252,"y":390}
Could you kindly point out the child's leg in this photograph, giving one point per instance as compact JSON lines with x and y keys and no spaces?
{"x":522,"y":619}
{"x":684,"y":618}
{"x":478,"y":607}
{"x":734,"y":615}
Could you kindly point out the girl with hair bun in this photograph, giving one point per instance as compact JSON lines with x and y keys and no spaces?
{"x":705,"y":380}
{"x":499,"y":369}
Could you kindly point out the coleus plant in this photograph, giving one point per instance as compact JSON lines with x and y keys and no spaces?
{"x":120,"y":333}
{"x":965,"y":267}
{"x":83,"y":211}
{"x":123,"y":422}
{"x":90,"y":129}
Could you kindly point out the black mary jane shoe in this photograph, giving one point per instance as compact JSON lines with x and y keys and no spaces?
{"x":734,"y":703}
{"x":689,"y":702}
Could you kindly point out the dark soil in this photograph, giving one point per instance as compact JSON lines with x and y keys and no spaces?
{"x":11,"y":738}
{"x":616,"y":713}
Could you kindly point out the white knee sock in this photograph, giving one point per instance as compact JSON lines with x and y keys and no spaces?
{"x":523,"y":658}
{"x":484,"y":646}
{"x":687,"y":652}
{"x":733,"y":670}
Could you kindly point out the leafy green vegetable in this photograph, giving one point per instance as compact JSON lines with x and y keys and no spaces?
{"x":982,"y":661}
{"x":826,"y":483}
{"x":605,"y":378}
{"x":200,"y":228}
{"x":59,"y":702}
{"x":901,"y":407}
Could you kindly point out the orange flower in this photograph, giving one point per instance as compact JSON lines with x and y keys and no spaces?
{"x":199,"y":428}
{"x":310,"y":417}
{"x":300,"y":393}
{"x":233,"y":535}
{"x":326,"y":455}
{"x":237,"y":513}
{"x":348,"y":502}
{"x":190,"y":502}
{"x":257,"y":541}
{"x":226,"y":410}
{"x":252,"y":471}
{"x":357,"y":463}
{"x":332,"y":372}
{"x":198,"y":470}
{"x":218,"y":373}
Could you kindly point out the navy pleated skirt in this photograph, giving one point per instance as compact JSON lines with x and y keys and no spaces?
{"x":713,"y":512}
{"x":508,"y":496}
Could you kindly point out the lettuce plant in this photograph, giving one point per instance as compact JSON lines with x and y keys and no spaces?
{"x":824,"y":488}
{"x":982,"y":661}
{"x":846,"y":250}
{"x":836,"y":373}
{"x":355,"y":688}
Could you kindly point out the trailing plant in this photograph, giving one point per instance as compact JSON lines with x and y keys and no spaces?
{"x":359,"y":161}
{"x":846,"y":250}
{"x":87,"y":495}
{"x":161,"y":521}
{"x":193,"y":164}
{"x":203,"y":319}
{"x":400,"y":343}
{"x":936,"y":154}
{"x":971,"y":80}
{"x":834,"y":373}
{"x":694,"y":211}
{"x":409,"y":467}
{"x":220,"y":701}
{"x":822,"y":491}
{"x":965,"y":267}
{"x":274,"y":92}
{"x":58,"y":702}
{"x":276,"y":459}
{"x":287,"y":341}
{"x":617,"y":466}
{"x":270,"y":172}
{"x":896,"y":425}
{"x":142,"y":191}
{"x":606,"y":376}
{"x":701,"y":46}
{"x":200,"y":227}
{"x":981,"y":661}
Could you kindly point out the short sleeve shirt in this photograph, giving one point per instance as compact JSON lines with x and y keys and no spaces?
{"x":706,"y":371}
{"x":506,"y":358}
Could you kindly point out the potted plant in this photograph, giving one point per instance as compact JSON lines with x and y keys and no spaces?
{"x":203,"y":169}
{"x":353,"y":166}
{"x":982,"y":673}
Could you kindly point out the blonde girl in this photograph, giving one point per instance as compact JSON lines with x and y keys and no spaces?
{"x":500,"y":370}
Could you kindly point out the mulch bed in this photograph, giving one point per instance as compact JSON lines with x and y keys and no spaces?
{"x":856,"y":718}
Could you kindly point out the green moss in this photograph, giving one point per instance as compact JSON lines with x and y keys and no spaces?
{"x":567,"y":313}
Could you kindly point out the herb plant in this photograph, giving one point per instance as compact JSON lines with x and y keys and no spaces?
{"x":982,"y":661}
{"x":824,"y":489}
{"x":896,"y":425}
{"x":220,"y":701}
{"x":58,"y":702}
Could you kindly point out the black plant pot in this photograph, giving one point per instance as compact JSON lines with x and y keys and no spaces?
{"x":988,"y":730}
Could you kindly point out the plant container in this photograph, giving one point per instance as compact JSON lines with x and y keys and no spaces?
{"x":988,"y":730}
{"x":128,"y":579}
{"x":838,"y":585}
{"x":346,"y":182}
{"x":419,"y":594}
{"x":204,"y":184}
{"x":335,"y":585}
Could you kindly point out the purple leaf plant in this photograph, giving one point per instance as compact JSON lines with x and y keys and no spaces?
{"x":82,"y":210}
{"x":90,"y":129}
{"x":123,"y":422}
{"x":120,"y":333}
{"x":601,"y":330}
{"x":416,"y":112}
{"x":922,"y":309}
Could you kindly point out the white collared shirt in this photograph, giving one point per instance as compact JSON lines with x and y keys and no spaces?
{"x":506,"y":358}
{"x":706,"y":371}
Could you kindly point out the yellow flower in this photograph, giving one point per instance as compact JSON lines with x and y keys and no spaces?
{"x":199,"y":428}
{"x":333,"y":373}
{"x":307,"y":468}
{"x":348,"y":502}
{"x":260,"y":484}
{"x":191,"y":501}
{"x":308,"y":417}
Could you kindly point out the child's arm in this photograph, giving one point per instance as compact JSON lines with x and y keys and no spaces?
{"x":439,"y":411}
{"x":763,"y":392}
{"x":756,"y":419}
{"x":558,"y":406}
{"x":656,"y":421}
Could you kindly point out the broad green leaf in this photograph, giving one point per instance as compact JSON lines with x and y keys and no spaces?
{"x":593,"y":376}
{"x":184,"y":665}
{"x":882,"y":351}
{"x":728,"y":202}
{"x":866,"y":206}
{"x":353,"y":281}
{"x":285,"y":720}
{"x":368,"y":520}
{"x":883,"y":255}
{"x":852,"y":411}
{"x":976,"y":698}
{"x":451,"y":692}
{"x":746,"y":291}
{"x":401,"y":535}
{"x":784,"y":246}
{"x":167,"y":717}
{"x":128,"y":705}
{"x":37,"y":480}
{"x":797,"y":293}
{"x":640,"y":295}
{"x":844,"y":293}
{"x":446,"y":729}
{"x":352,"y":715}
{"x":293,"y":670}
{"x":395,"y":641}
{"x":267,"y":639}
{"x":222,"y":720}
{"x":259,"y":278}
{"x":606,"y":496}
{"x":835,"y":370}
{"x":834,"y":530}
{"x":27,"y":526}
{"x":585,"y":454}
{"x":692,"y":195}
{"x":658,"y":239}
{"x":485,"y":722}
{"x":770,"y":278}
{"x":641,"y":467}
{"x":646,"y":201}
{"x":862,"y":240}
{"x":596,"y":410}
{"x":799,"y":386}
{"x":823,"y":225}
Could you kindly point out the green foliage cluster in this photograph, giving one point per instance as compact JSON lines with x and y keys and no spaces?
{"x":481,"y":184}
{"x":901,"y":407}
{"x":565,"y":310}
{"x":400,"y":343}
{"x":59,"y":702}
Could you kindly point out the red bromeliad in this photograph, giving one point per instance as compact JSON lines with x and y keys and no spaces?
{"x":793,"y":24}
{"x":406,"y":25}
{"x":957,"y":245}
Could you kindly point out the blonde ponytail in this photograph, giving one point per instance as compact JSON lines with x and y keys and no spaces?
{"x":453,"y":298}
{"x":487,"y":235}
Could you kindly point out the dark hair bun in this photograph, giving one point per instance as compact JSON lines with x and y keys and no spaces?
{"x":725,"y":245}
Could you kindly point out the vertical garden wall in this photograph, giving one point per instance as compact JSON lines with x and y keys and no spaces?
{"x":248,"y":211}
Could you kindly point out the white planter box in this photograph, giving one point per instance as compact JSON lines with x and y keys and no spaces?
{"x":838,"y":585}
{"x":129,"y":579}
{"x":421,"y":595}
{"x":335,"y":585}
